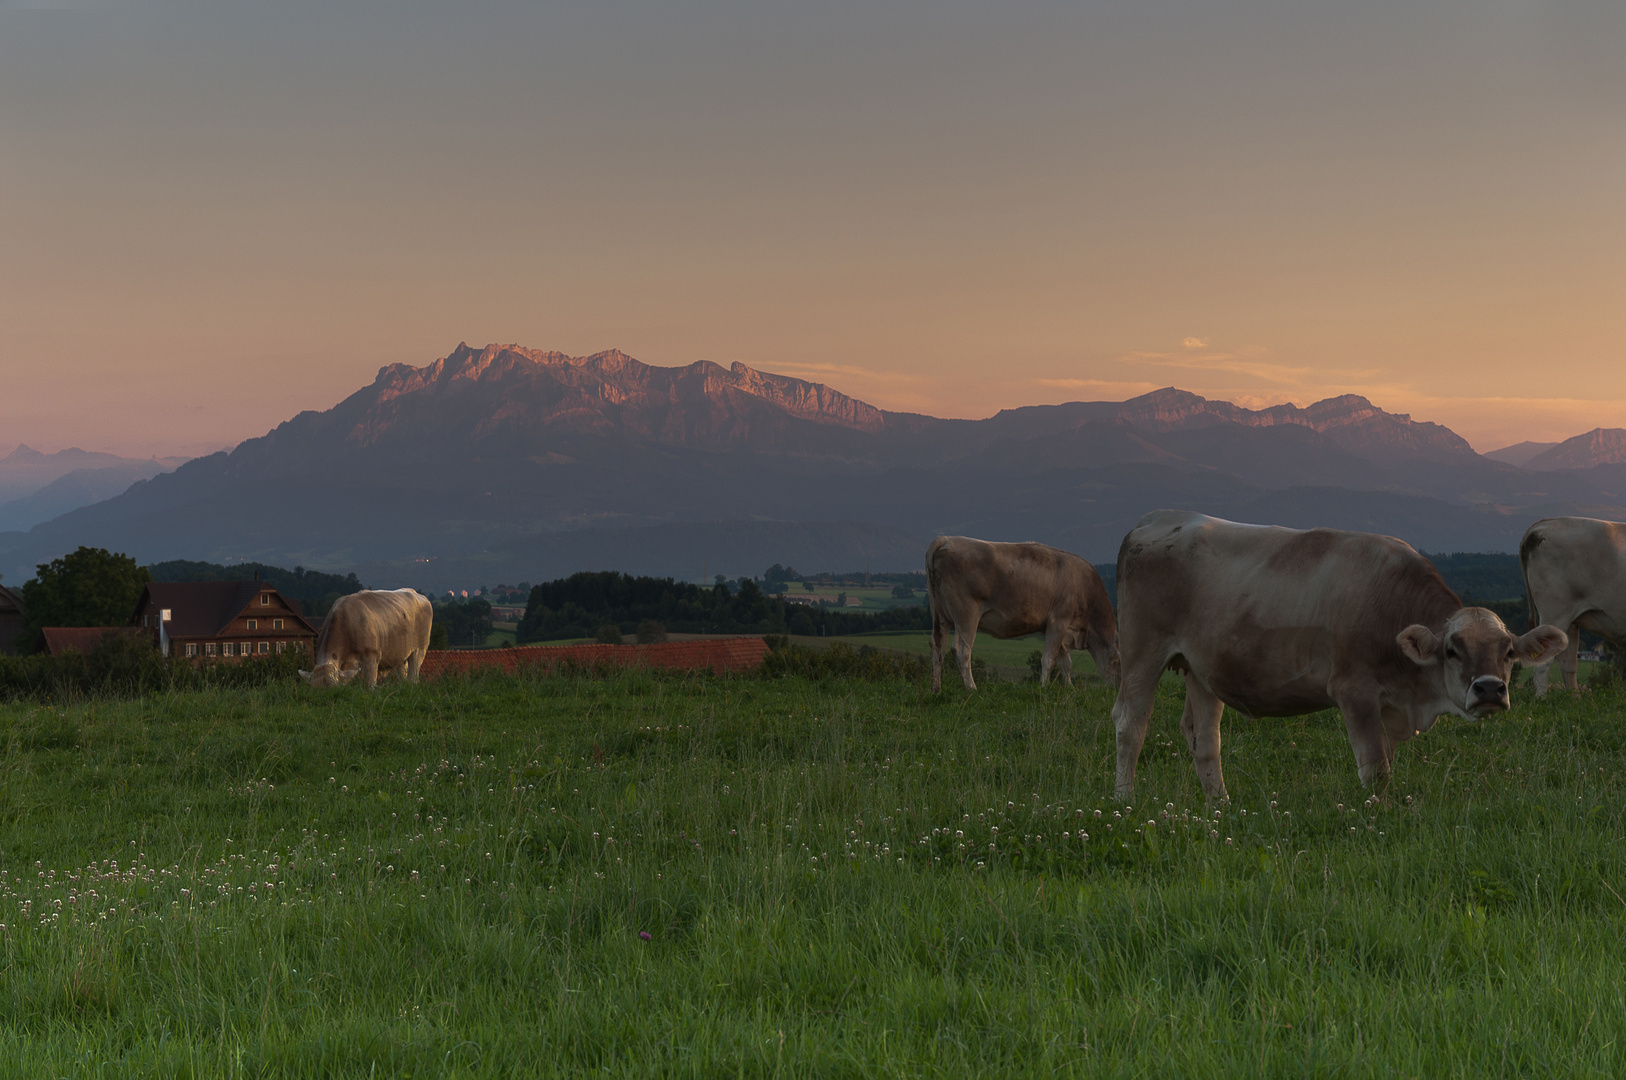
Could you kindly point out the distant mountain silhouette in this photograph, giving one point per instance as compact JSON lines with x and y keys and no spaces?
{"x":1600,"y":446}
{"x":1519,"y":454}
{"x":509,"y":463}
{"x":36,"y":486}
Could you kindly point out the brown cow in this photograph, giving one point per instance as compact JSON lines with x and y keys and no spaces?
{"x":1009,"y":590}
{"x":372,"y":631}
{"x":1575,"y":576}
{"x":1279,"y":622}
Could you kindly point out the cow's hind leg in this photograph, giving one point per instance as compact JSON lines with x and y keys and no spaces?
{"x":1569,"y":660}
{"x":1200,"y":724}
{"x":413,"y":665}
{"x":965,"y":636}
{"x":1131,"y":714}
{"x":940,"y":633}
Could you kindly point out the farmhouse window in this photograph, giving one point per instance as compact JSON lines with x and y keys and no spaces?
{"x":265,"y":599}
{"x":265,"y":647}
{"x":276,"y":624}
{"x":228,"y":649}
{"x":191,"y":648}
{"x":211,"y":648}
{"x":282,"y":647}
{"x":254,"y":624}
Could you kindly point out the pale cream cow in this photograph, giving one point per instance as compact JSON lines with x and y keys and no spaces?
{"x":369,"y":632}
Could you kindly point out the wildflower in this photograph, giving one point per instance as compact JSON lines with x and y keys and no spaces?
{"x":646,"y":935}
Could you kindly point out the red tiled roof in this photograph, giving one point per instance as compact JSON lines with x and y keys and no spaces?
{"x":718,"y":654}
{"x":82,"y":639}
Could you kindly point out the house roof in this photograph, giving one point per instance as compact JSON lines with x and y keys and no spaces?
{"x":82,"y":639}
{"x":206,"y":608}
{"x":9,"y":601}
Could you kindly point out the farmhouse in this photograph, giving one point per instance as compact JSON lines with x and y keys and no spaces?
{"x":221,"y":619}
{"x":11,"y":620}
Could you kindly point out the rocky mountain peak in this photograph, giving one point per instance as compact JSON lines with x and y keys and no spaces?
{"x":1600,"y":446}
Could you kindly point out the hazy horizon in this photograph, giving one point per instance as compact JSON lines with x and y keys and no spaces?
{"x":217,"y":218}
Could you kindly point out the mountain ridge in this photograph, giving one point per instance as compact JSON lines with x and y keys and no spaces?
{"x":486,"y":453}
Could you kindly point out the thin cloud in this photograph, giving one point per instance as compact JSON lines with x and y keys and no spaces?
{"x":849,"y":371}
{"x":1194,"y":343}
{"x":1110,"y":386}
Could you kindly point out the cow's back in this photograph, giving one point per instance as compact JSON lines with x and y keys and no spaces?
{"x":387,"y":624}
{"x":1268,"y":615}
{"x":1024,"y":582}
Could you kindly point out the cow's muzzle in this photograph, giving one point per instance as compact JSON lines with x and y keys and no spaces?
{"x":1487,"y":694}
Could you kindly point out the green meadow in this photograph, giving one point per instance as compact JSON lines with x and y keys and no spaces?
{"x":638,"y":874}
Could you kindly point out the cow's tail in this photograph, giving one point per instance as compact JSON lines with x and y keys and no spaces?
{"x":934,"y":574}
{"x":1527,"y":547}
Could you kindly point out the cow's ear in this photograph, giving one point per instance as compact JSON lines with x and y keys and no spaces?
{"x":1419,"y":644}
{"x":1541,"y":644}
{"x":347,"y":674}
{"x":306,"y":675}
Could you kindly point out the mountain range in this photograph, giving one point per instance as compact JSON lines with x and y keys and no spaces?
{"x":36,"y":486}
{"x":505,"y":463}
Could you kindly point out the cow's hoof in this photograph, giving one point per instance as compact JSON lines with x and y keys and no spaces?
{"x":1374,"y":776}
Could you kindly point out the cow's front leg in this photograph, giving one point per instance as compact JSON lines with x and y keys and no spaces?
{"x":1363,"y":721}
{"x":1201,"y":725}
{"x":1539,"y":676}
{"x":369,"y":671}
{"x":1064,"y":667}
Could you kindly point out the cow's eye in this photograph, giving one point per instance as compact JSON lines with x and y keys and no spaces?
{"x":1450,"y":653}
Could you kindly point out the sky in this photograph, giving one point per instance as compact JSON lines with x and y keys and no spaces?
{"x":214,"y":216}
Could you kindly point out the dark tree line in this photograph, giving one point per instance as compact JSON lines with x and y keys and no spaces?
{"x":577,"y":606}
{"x":314,"y":589}
{"x":461,"y":624}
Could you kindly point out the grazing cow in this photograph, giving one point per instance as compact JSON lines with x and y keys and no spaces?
{"x":372,"y":631}
{"x":1010,"y":590}
{"x":1575,"y":576}
{"x":1279,"y":622}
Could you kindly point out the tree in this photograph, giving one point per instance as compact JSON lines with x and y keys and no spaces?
{"x":90,"y":587}
{"x":467,"y":622}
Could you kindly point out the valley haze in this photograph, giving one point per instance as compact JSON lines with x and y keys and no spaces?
{"x":506,"y":463}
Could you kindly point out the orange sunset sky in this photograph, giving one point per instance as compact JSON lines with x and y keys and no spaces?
{"x":215,"y":216}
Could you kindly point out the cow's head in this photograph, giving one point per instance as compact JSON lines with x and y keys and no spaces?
{"x":1475,"y":654}
{"x":330,"y":674}
{"x":1104,"y":651}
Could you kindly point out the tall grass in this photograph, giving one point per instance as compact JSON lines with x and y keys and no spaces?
{"x":642,"y":874}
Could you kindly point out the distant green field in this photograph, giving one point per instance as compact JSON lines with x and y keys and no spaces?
{"x":1009,"y":656}
{"x":874,"y":598}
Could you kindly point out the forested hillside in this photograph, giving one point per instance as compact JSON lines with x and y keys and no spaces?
{"x":578,"y":605}
{"x":315,"y":590}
